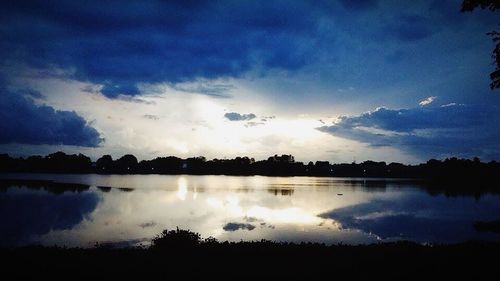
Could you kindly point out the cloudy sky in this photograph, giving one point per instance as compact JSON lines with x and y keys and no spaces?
{"x":330,"y":80}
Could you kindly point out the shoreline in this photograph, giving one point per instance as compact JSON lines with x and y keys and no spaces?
{"x":262,"y":260}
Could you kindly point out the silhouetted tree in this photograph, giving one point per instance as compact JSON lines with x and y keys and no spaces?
{"x":104,"y":164}
{"x":161,"y":165}
{"x":126,"y":164}
{"x":469,"y":6}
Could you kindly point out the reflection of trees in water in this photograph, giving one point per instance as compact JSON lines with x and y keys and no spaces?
{"x":242,"y":190}
{"x":281,"y":191}
{"x":449,"y":189}
{"x":465,"y":189}
{"x":47,"y":185}
{"x":104,"y":188}
{"x":366,"y":185}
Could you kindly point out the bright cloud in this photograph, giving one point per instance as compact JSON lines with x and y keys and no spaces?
{"x":427,"y":101}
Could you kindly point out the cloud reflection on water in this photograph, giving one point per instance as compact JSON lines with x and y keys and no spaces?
{"x":244,"y":208}
{"x":25,"y":214}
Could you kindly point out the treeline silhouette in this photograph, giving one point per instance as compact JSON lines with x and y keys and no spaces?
{"x":184,"y":255}
{"x":284,"y":165}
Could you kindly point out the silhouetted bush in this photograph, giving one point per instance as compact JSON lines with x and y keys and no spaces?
{"x":172,"y":239}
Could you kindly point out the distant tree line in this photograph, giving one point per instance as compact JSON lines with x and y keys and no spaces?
{"x":284,"y":165}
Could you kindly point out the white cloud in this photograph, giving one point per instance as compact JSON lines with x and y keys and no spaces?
{"x":167,"y":121}
{"x":427,"y":101}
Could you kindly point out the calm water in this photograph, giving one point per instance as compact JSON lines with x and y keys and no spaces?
{"x":131,"y":209}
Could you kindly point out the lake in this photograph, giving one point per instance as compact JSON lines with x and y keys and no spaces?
{"x":129,"y":210}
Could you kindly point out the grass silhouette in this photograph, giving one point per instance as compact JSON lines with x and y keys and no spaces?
{"x":186,"y":255}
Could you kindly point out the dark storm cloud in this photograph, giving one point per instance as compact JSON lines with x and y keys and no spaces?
{"x":233,"y":226}
{"x":470,"y":130}
{"x":119,"y":44}
{"x":235,"y":116}
{"x":22,"y":121}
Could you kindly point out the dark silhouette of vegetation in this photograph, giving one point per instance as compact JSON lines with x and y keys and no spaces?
{"x":58,"y":162}
{"x":492,"y":5}
{"x":176,"y":239}
{"x":436,"y":171}
{"x":183,"y":255}
{"x":487,"y":226}
{"x":470,"y":5}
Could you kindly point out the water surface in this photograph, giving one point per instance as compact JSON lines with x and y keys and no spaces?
{"x":131,"y":209}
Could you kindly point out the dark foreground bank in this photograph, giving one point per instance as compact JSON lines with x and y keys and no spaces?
{"x":183,"y":255}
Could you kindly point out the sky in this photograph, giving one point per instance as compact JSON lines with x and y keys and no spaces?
{"x":334,"y":80}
